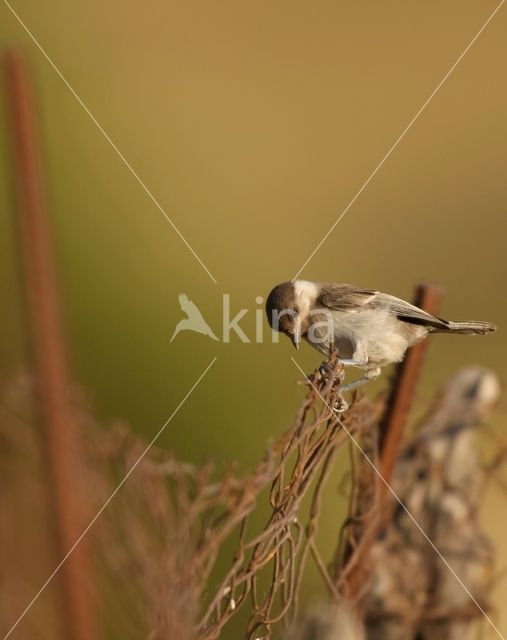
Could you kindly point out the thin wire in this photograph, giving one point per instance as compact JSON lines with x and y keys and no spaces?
{"x":398,"y":140}
{"x":106,"y":503}
{"x":402,"y":504}
{"x":108,"y":138}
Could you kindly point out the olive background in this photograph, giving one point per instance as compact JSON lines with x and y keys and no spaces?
{"x":254,"y":125}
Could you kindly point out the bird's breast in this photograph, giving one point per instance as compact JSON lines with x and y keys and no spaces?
{"x":375,"y":333}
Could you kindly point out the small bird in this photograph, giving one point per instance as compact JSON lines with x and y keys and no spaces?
{"x":194,"y":320}
{"x":369,"y":329}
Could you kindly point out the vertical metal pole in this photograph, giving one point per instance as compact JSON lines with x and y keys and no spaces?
{"x":391,"y":428}
{"x":60,"y":429}
{"x":428,"y":297}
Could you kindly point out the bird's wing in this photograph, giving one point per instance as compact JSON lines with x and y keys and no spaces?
{"x":188,"y":306}
{"x":408,"y":312}
{"x":344,"y":297}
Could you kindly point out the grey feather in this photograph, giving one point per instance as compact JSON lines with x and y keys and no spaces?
{"x":349,"y":298}
{"x":344,"y":297}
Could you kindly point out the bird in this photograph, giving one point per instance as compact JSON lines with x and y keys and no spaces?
{"x":194,"y":320}
{"x":368,"y":329}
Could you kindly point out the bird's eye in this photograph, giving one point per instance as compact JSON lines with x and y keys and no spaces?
{"x":296,"y":310}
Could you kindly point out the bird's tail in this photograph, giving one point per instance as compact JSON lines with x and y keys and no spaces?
{"x":471,"y":326}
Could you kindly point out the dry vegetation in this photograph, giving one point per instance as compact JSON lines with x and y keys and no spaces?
{"x":157,"y":543}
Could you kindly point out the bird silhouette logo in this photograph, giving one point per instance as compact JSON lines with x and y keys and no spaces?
{"x":194,"y":320}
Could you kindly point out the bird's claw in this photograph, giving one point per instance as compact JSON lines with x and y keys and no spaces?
{"x":319,"y":375}
{"x":340,"y":405}
{"x":323,"y":372}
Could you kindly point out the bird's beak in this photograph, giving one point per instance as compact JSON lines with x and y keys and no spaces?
{"x":295,"y":339}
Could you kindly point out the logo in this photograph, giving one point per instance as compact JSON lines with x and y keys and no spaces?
{"x":194,"y":320}
{"x":321,"y":331}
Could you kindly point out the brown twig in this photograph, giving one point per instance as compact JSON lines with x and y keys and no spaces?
{"x":50,"y":354}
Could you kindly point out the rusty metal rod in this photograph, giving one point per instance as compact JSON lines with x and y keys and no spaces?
{"x":391,"y":428}
{"x":53,"y":382}
{"x":428,"y":297}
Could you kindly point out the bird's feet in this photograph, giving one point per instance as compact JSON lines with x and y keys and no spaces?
{"x":329,"y":372}
{"x":340,"y":404}
{"x":324,"y":372}
{"x":371,"y":374}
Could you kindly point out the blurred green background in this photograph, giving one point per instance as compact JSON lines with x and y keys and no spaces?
{"x":254,"y":125}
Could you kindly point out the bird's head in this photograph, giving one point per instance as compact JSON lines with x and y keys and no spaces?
{"x":288,"y":306}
